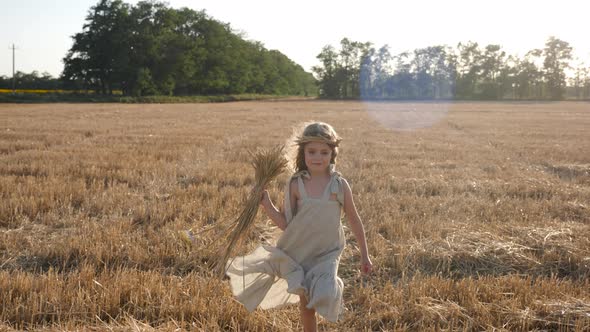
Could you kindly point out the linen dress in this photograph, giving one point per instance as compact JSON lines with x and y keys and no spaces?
{"x":304,"y":260}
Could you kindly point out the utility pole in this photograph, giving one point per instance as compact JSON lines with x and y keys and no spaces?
{"x":13,"y":78}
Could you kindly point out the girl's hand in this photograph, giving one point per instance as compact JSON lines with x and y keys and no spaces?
{"x":366,"y":265}
{"x":265,"y":199}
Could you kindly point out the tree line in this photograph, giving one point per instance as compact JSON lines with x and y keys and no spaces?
{"x":150,"y":48}
{"x":469,"y":71}
{"x":33,"y":80}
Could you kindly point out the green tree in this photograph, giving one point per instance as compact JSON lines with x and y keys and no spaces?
{"x":469,"y":70}
{"x":436,"y":72}
{"x":351,"y":55}
{"x":382,"y":71}
{"x":33,"y":80}
{"x":492,"y":63}
{"x":453,"y":71}
{"x":557,"y":53}
{"x":326,"y":72}
{"x":150,"y":48}
{"x":580,"y":81}
{"x":367,"y":75}
{"x":431,"y":72}
{"x":99,"y":53}
{"x":145,"y":85}
{"x":340,"y":72}
{"x":401,"y":85}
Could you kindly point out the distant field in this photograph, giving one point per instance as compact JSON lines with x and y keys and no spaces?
{"x":478,"y":222}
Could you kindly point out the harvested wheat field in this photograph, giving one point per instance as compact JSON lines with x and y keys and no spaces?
{"x":480,"y":221}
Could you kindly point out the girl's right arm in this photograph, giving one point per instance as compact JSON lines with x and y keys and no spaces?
{"x":356,"y":225}
{"x":278,"y":217}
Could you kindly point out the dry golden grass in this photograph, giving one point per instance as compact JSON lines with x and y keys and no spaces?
{"x":480,"y":222}
{"x":268,"y":164}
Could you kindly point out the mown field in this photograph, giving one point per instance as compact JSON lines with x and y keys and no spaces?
{"x":478,"y":222}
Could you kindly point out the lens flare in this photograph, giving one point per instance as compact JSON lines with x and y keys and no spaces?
{"x":403,"y":116}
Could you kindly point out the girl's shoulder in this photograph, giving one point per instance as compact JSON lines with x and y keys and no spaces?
{"x":298,"y":175}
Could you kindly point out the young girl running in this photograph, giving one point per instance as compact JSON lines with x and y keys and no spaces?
{"x":303,"y":266}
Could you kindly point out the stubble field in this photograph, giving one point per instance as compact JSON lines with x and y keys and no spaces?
{"x":478,"y":222}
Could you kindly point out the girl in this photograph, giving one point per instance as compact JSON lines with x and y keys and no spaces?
{"x":303,"y":265}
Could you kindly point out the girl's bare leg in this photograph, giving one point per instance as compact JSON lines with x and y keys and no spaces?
{"x":307,"y":316}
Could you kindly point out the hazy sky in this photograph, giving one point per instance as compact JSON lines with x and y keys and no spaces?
{"x":42,"y":30}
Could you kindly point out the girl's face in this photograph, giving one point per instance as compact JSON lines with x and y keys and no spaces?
{"x":317,"y":156}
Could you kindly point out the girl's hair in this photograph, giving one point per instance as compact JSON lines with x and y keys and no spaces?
{"x":314,"y":132}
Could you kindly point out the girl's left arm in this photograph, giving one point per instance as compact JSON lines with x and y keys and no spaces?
{"x":356,"y":225}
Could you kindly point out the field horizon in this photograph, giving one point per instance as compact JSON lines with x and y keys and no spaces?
{"x":477,"y":214}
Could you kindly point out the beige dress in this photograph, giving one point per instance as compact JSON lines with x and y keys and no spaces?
{"x":304,"y":261}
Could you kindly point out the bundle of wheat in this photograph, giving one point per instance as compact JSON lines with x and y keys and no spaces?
{"x":268,"y":164}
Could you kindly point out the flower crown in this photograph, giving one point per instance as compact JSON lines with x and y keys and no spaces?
{"x":306,"y":139}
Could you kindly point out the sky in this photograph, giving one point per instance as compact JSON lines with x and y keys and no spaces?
{"x":41,"y":30}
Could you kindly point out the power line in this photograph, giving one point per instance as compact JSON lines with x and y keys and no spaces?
{"x":13,"y":78}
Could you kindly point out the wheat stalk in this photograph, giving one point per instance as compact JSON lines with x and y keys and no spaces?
{"x":268,"y":164}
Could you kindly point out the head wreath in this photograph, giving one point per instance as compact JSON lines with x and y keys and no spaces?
{"x":306,"y":139}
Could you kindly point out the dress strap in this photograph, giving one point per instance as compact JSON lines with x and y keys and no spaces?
{"x":287,"y":203}
{"x":335,"y":187}
{"x":302,"y":193}
{"x":301,"y":187}
{"x":328,"y":191}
